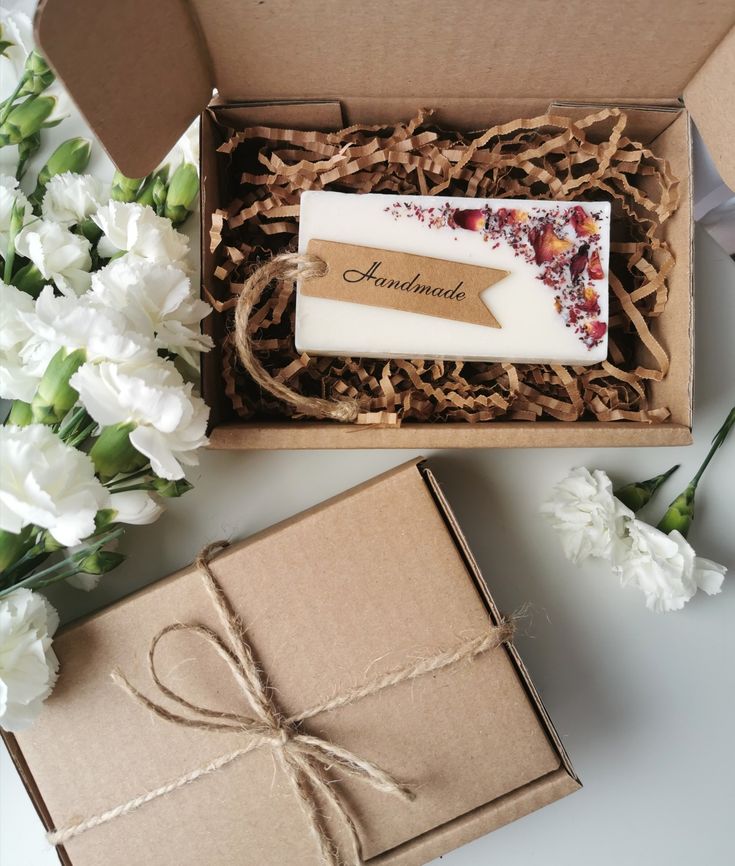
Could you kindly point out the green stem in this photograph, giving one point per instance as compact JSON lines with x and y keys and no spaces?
{"x":718,"y":439}
{"x":66,"y":567}
{"x":8,"y":104}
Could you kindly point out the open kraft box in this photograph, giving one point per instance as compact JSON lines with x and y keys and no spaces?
{"x":140,"y":72}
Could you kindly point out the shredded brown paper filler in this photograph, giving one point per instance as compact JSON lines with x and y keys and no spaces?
{"x":548,"y":157}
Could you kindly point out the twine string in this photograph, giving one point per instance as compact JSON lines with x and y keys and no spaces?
{"x":306,"y":759}
{"x":286,"y":266}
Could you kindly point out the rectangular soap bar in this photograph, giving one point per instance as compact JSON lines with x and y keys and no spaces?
{"x":454,"y":278}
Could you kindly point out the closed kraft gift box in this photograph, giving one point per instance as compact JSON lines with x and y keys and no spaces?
{"x":322,"y":65}
{"x":376,"y":580}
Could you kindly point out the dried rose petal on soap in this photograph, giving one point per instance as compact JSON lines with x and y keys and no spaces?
{"x":582,"y":222}
{"x":594,"y":266}
{"x":472,"y":220}
{"x":547,"y":244}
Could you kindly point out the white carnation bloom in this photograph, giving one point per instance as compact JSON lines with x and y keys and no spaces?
{"x":28,"y":665}
{"x":186,"y":149}
{"x":136,"y":228}
{"x":60,"y":255}
{"x":10,"y":192}
{"x":589,"y":519}
{"x":170,"y":421}
{"x":78,"y":323}
{"x":16,"y":381}
{"x":17,"y":28}
{"x":70,"y":198}
{"x":48,"y":484}
{"x":135,"y":507}
{"x":157,"y":301}
{"x":664,"y":567}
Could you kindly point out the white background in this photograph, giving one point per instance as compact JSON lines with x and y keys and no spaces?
{"x":645,"y":703}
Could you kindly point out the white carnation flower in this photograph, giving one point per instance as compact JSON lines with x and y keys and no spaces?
{"x":16,"y":381}
{"x":60,"y":255}
{"x":78,"y":323}
{"x":135,"y":507}
{"x":28,"y":665}
{"x":70,"y":198}
{"x":186,"y":149}
{"x":664,"y":567}
{"x":589,"y":519}
{"x":136,"y":228}
{"x":18,"y":29}
{"x":10,"y":192}
{"x":48,"y":484}
{"x":170,"y":421}
{"x":157,"y":301}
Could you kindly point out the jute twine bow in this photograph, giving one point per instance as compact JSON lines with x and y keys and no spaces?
{"x":305,"y":759}
{"x":286,"y":266}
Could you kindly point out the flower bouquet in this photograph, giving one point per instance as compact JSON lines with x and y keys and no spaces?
{"x":99,"y":344}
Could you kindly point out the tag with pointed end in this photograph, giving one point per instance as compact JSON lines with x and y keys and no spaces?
{"x":401,"y":281}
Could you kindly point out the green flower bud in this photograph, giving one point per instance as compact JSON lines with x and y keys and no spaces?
{"x":12,"y":547}
{"x":680,"y":514}
{"x":104,"y":518}
{"x":26,"y":119}
{"x":100,"y":562}
{"x":20,"y":414}
{"x":640,"y":493}
{"x":113,"y":454}
{"x":37,"y":74}
{"x":50,"y":544}
{"x":158,"y":194}
{"x":125,"y":188}
{"x":182,"y":193}
{"x":29,"y":279}
{"x":71,"y":155}
{"x":170,"y":489}
{"x":54,"y":396}
{"x":145,"y":193}
{"x":91,"y":231}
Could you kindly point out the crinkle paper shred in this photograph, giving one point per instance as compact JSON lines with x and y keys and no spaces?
{"x":549,"y":157}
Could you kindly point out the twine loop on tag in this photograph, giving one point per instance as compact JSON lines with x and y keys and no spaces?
{"x":306,"y":760}
{"x":286,"y":266}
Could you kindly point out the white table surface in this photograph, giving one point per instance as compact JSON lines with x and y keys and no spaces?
{"x":645,"y":703}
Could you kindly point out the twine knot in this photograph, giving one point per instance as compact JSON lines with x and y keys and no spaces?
{"x":306,"y":759}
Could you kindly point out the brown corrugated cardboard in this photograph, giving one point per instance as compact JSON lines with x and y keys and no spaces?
{"x":339,"y":64}
{"x":324,"y":600}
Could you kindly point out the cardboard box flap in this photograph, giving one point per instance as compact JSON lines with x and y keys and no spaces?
{"x":710,"y":97}
{"x":582,"y":49}
{"x":138,"y":71}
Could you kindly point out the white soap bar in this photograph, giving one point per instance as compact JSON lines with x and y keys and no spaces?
{"x":552,"y":307}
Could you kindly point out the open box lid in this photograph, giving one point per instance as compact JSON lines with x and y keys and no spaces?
{"x":140,"y":71}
